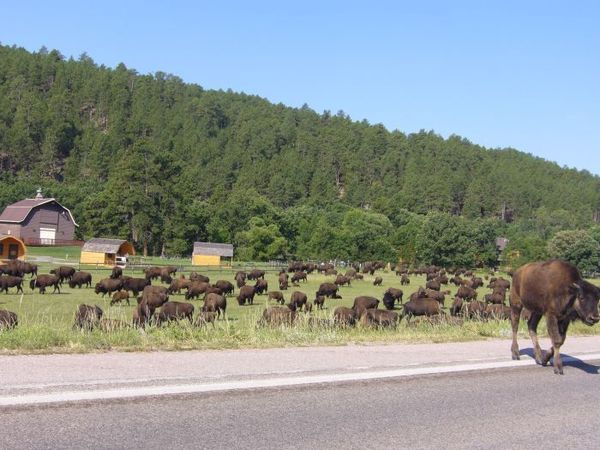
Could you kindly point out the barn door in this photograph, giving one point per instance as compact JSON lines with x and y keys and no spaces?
{"x":47,"y":236}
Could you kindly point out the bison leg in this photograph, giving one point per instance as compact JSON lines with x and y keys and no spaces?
{"x":532,"y":324}
{"x":515,"y":316}
{"x":558,"y":332}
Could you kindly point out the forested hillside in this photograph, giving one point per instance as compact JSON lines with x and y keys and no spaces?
{"x":164,"y":163}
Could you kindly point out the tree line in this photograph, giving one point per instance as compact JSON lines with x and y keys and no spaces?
{"x":164,"y":163}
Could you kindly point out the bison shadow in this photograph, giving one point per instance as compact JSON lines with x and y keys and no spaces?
{"x":568,"y":361}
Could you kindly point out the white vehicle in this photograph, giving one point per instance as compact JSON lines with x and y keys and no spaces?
{"x":121,"y":261}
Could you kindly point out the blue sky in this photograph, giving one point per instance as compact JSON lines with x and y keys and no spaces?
{"x":521,"y":74}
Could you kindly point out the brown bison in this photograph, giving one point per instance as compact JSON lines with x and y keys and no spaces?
{"x":328,"y":290}
{"x":199,"y":277}
{"x":496,"y":311}
{"x":8,"y":319}
{"x":261,"y":286}
{"x":135,"y":285}
{"x":396,"y":293}
{"x":277,"y":296}
{"x":152,"y":273}
{"x":471,"y":310}
{"x":255,"y":274}
{"x":404,"y":279}
{"x":299,"y":300}
{"x":344,"y":316}
{"x":278,"y":315}
{"x":240,"y":278}
{"x":87,"y":316}
{"x":377,"y":281}
{"x":246,"y":294}
{"x":380,"y":318}
{"x":79,"y":279}
{"x":556,"y":290}
{"x":362,"y":303}
{"x":178,"y":284}
{"x":342,"y":280}
{"x":117,"y":272}
{"x":421,"y":307}
{"x":43,"y":281}
{"x":466,"y":293}
{"x":225,"y":286}
{"x":10,"y":281}
{"x":171,"y":311}
{"x":319,"y":301}
{"x":299,"y":276}
{"x":108,"y":286}
{"x":283,"y":281}
{"x":63,"y":273}
{"x":119,"y":296}
{"x":195,"y":289}
{"x":215,"y":303}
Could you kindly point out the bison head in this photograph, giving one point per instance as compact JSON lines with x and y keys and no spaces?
{"x":586,"y":301}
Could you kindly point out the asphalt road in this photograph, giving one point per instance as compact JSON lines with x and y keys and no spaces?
{"x":505,"y":408}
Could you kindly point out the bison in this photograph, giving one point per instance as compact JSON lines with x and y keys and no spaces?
{"x":63,"y":273}
{"x":255,"y":274}
{"x":556,"y":290}
{"x":225,"y":286}
{"x":277,"y":296}
{"x":278,"y":315}
{"x":261,"y":286}
{"x":299,"y":300}
{"x":328,"y":290}
{"x":119,"y":296}
{"x":108,"y":286}
{"x":87,"y":316}
{"x":8,"y":319}
{"x":421,"y":307}
{"x":344,"y":316}
{"x":116,"y":272}
{"x":170,"y":311}
{"x":79,"y":279}
{"x":10,"y":281}
{"x":299,"y":276}
{"x":215,"y":303}
{"x":342,"y":280}
{"x":364,"y":302}
{"x":246,"y":294}
{"x":135,"y":285}
{"x":43,"y":281}
{"x":379,"y":317}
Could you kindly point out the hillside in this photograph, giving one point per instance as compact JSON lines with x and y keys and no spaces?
{"x":165,"y":163}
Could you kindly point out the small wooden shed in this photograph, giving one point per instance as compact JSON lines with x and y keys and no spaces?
{"x":105,"y":251}
{"x":210,"y":254}
{"x":12,"y":248}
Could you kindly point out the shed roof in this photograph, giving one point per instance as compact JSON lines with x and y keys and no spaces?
{"x":102,"y":245}
{"x":18,"y":212}
{"x":213,"y":249}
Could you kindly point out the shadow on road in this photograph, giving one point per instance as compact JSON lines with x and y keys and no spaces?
{"x":568,"y":361}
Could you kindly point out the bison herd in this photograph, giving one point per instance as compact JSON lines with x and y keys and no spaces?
{"x":553,"y":289}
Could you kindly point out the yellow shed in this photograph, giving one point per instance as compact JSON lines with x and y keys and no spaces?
{"x":210,"y":254}
{"x":12,"y":248}
{"x":104,"y":252}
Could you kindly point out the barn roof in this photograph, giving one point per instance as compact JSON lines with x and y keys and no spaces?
{"x":102,"y":245}
{"x":212,"y":249}
{"x":18,"y":212}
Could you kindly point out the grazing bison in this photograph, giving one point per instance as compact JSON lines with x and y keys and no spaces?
{"x":63,"y":273}
{"x":215,"y":303}
{"x":199,"y":277}
{"x":380,"y":318}
{"x":471,"y":310}
{"x":377,"y":281}
{"x":299,"y":300}
{"x":395,"y":293}
{"x":556,"y":290}
{"x":496,"y":311}
{"x":152,"y":273}
{"x":240,"y":278}
{"x":388,"y":300}
{"x":466,"y":293}
{"x":434,"y":285}
{"x":344,"y":316}
{"x":341,"y":280}
{"x":364,"y":302}
{"x":499,"y":283}
{"x":494,"y":298}
{"x":225,"y":286}
{"x":79,"y":279}
{"x":277,"y":296}
{"x":255,"y":274}
{"x":421,"y":307}
{"x":278,"y":315}
{"x":328,"y":290}
{"x":135,"y":285}
{"x":119,"y":296}
{"x":319,"y":301}
{"x":170,"y":311}
{"x":195,"y":289}
{"x":18,"y":268}
{"x":8,"y":319}
{"x":404,"y":279}
{"x":298,"y":276}
{"x":261,"y":286}
{"x":43,"y":281}
{"x":117,"y":272}
{"x":108,"y":286}
{"x":10,"y":281}
{"x":246,"y":294}
{"x":350,"y":273}
{"x":178,"y":284}
{"x":204,"y":318}
{"x":87,"y":316}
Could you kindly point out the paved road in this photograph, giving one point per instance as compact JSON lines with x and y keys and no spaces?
{"x":526,"y":407}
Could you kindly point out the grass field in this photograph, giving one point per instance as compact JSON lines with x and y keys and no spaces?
{"x":45,"y":321}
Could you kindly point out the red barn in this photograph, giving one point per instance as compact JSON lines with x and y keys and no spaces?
{"x":38,"y":221}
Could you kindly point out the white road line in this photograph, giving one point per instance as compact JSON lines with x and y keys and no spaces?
{"x":175,"y":389}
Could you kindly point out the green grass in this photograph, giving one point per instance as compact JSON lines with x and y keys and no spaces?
{"x":70,"y":253}
{"x":45,"y":321}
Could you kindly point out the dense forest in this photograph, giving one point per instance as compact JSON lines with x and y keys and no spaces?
{"x":164,"y":163}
